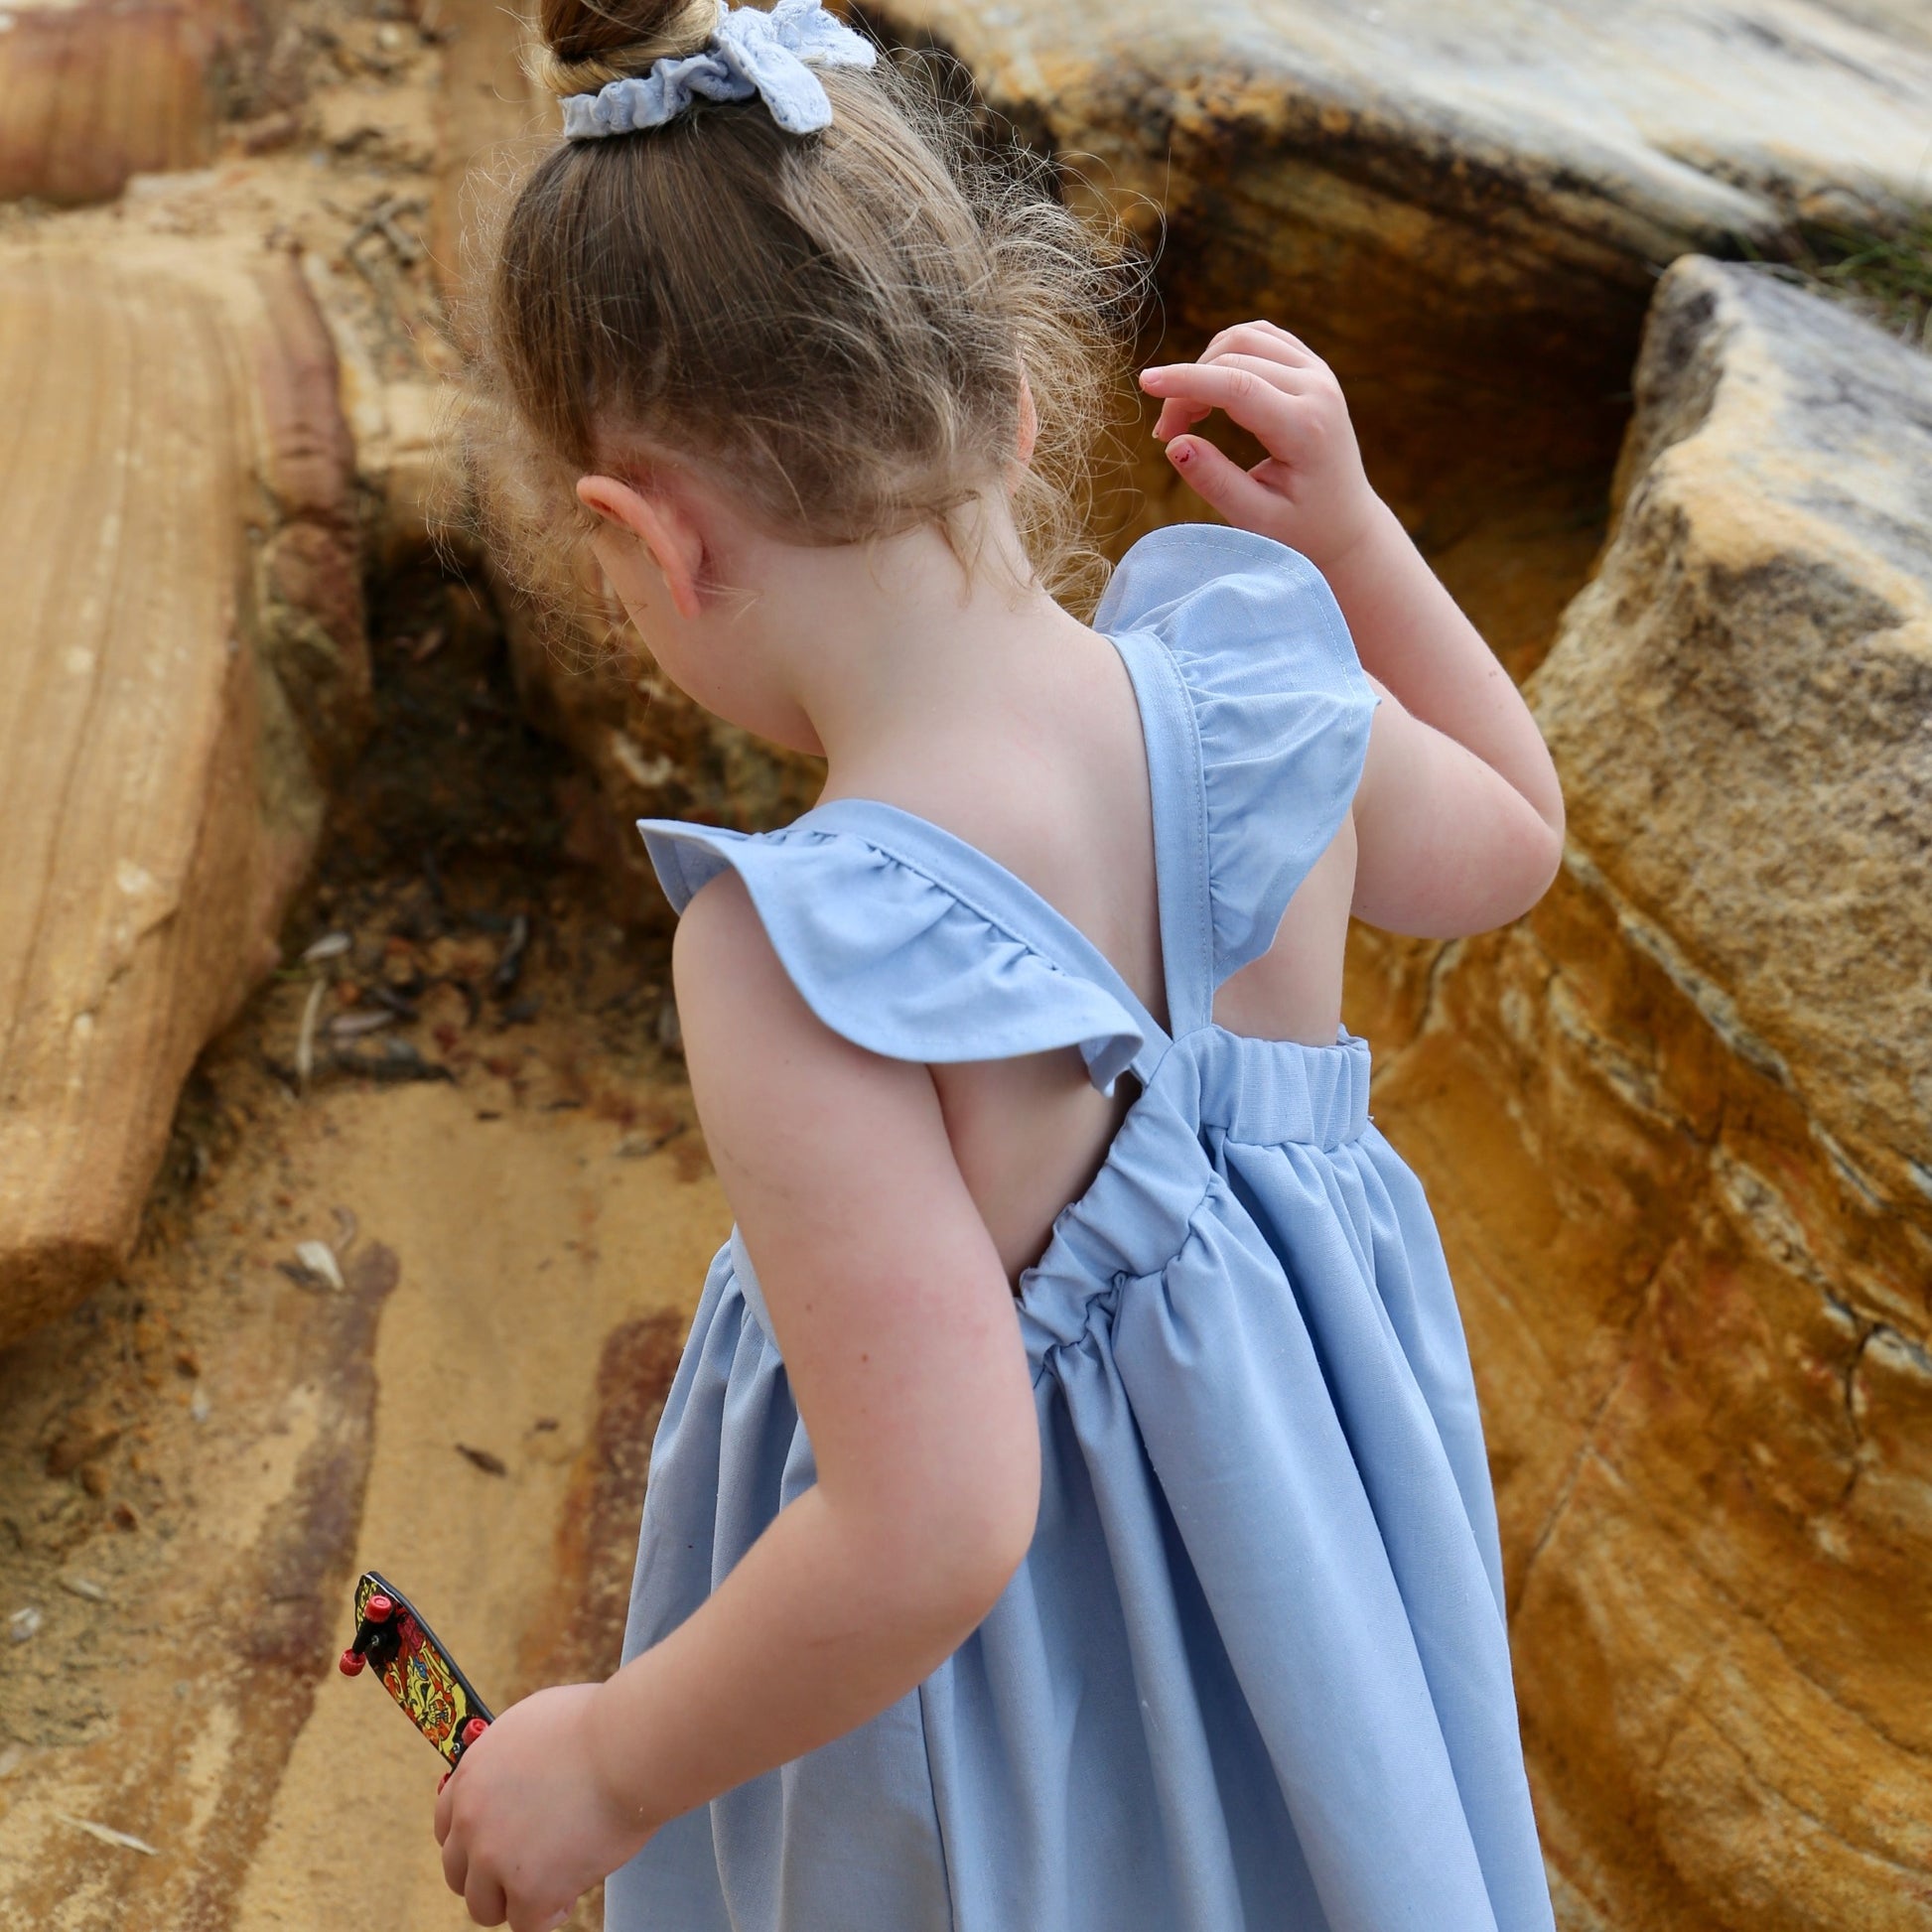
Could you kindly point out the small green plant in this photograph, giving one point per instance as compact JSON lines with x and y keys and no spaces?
{"x":1889,"y":277}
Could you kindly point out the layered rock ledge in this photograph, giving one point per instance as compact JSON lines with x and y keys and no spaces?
{"x":182,"y":663}
{"x":1678,"y":1129}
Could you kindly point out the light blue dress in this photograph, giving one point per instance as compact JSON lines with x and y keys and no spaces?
{"x":1254,"y":1671}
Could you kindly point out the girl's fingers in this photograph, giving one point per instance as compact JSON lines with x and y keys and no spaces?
{"x":1285,"y":347}
{"x":531,"y":1917}
{"x":486,"y":1901}
{"x":1288,"y":379}
{"x":455,"y":1865}
{"x":1166,"y":378}
{"x":444,"y":1809}
{"x":1222,"y":483}
{"x":1291,"y":378}
{"x":1177,"y":415}
{"x":1285,"y":359}
{"x":1293,"y":344}
{"x":1262,"y":339}
{"x":1246,"y":397}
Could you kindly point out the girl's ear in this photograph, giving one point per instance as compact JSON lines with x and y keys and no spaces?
{"x":662,"y":524}
{"x":1029,"y":423}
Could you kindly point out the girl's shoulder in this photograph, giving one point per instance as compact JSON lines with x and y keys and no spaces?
{"x":917,"y":945}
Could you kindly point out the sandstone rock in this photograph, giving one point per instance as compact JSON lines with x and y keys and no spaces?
{"x":406,"y":465}
{"x":491,"y":124}
{"x":90,"y":94}
{"x":1505,"y":177}
{"x":405,"y":469}
{"x":1766,"y":610}
{"x":1678,"y":1129}
{"x":1905,"y":17}
{"x":375,"y":123}
{"x":184,"y":665}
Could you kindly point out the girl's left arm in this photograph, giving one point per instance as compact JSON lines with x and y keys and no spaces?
{"x":895,"y":1317}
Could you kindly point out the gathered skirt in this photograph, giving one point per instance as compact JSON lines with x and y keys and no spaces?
{"x":1254,"y":1672}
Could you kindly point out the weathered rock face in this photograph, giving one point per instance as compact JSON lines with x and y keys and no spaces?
{"x":491,"y":124}
{"x":1904,"y":18}
{"x":1678,"y":1128}
{"x":183,"y":663}
{"x":1464,"y":199}
{"x":1766,"y":612}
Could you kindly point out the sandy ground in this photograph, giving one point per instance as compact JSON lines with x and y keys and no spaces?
{"x":524,"y":1251}
{"x":522,"y":1247}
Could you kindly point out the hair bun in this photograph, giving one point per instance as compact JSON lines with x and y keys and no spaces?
{"x":590,"y":42}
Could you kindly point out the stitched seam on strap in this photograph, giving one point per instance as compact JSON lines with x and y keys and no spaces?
{"x":1201,"y":893}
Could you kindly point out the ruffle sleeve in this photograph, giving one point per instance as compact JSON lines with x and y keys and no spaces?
{"x":1281,"y":708}
{"x":891,"y":958}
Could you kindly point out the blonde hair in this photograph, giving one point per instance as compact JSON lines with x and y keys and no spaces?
{"x":833,"y":328}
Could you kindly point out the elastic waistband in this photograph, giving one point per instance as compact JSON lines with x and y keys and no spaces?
{"x":1269,"y":1091}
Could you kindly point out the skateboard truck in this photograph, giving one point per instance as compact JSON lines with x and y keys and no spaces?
{"x":414,"y":1668}
{"x":373,"y":1634}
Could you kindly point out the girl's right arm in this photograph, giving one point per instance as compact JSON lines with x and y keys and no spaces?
{"x":1458,"y":817}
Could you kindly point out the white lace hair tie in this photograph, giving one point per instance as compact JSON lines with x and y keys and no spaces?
{"x":750,"y":51}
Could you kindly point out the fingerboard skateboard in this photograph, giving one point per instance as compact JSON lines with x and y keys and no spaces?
{"x":414,"y":1668}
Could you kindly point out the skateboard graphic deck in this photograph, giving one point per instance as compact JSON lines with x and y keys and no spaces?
{"x":414,"y":1668}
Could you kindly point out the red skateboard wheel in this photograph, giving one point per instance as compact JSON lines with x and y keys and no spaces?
{"x":351,"y":1663}
{"x":380,"y":1608}
{"x":474,"y":1729}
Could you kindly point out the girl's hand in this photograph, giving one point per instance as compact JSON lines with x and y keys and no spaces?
{"x":525,"y":1822}
{"x":1309,"y":490}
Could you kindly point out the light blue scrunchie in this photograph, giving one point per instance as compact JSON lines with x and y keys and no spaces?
{"x":749,"y":53}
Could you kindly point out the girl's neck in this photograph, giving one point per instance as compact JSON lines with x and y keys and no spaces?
{"x":894,"y":648}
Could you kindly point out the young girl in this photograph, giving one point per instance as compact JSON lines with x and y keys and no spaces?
{"x":1071,"y":1514}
